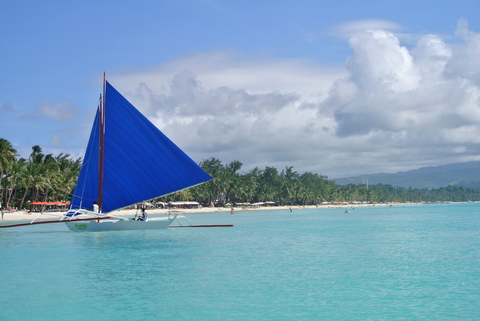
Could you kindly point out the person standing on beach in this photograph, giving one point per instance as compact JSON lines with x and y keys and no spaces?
{"x":2,"y":214}
{"x":144,"y":213}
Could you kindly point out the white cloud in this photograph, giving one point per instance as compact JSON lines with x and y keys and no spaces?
{"x":348,"y":29}
{"x":390,"y":109}
{"x":465,"y":62}
{"x":430,"y":56}
{"x":379,"y":62}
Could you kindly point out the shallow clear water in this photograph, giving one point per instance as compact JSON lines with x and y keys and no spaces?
{"x":376,"y":263}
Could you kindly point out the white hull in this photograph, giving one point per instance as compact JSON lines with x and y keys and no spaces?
{"x":156,"y":223}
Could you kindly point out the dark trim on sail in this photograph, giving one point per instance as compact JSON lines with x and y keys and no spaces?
{"x":101,"y":146}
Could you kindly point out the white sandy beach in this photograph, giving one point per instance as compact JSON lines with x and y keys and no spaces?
{"x":26,"y":216}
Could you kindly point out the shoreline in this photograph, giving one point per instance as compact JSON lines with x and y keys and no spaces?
{"x":25,"y":216}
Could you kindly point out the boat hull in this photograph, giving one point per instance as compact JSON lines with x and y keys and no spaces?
{"x":157,"y":223}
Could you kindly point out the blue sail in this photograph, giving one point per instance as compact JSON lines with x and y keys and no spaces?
{"x":141,"y":163}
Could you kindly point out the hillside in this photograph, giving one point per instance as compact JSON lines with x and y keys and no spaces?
{"x":458,"y":174}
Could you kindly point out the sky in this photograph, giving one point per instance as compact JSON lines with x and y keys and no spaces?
{"x":338,"y":88}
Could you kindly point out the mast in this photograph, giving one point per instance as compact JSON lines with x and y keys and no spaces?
{"x":101,"y":144}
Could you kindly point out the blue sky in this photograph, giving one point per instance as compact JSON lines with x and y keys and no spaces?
{"x":333,"y":87}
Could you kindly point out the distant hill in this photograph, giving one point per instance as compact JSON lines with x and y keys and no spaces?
{"x":458,"y":174}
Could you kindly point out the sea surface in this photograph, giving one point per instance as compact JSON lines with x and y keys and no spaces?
{"x":413,"y":262}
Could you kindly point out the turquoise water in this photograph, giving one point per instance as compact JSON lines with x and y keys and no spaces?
{"x":377,"y":263}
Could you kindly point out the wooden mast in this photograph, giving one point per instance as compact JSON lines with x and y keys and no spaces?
{"x":101,"y":145}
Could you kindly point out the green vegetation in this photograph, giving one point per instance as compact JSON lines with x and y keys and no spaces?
{"x":289,"y":187}
{"x":39,"y":178}
{"x":52,"y":178}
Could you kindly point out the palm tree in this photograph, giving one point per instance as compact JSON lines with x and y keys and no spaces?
{"x":13,"y":181}
{"x":67,"y":173}
{"x":7,"y":158}
{"x":26,"y":179}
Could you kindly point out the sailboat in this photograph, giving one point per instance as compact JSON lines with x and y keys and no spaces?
{"x":128,"y":160}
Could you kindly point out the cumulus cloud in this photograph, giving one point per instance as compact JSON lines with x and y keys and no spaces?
{"x":424,"y":99}
{"x":187,"y":98}
{"x":390,"y":108}
{"x":466,"y":61}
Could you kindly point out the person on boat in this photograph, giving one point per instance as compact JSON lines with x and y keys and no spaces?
{"x":95,"y":208}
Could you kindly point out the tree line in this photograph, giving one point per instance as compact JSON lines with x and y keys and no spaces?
{"x":288,"y":187}
{"x":49,"y":178}
{"x":41,"y":177}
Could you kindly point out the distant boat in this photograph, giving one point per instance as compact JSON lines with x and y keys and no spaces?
{"x":127,"y":161}
{"x":347,"y":211}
